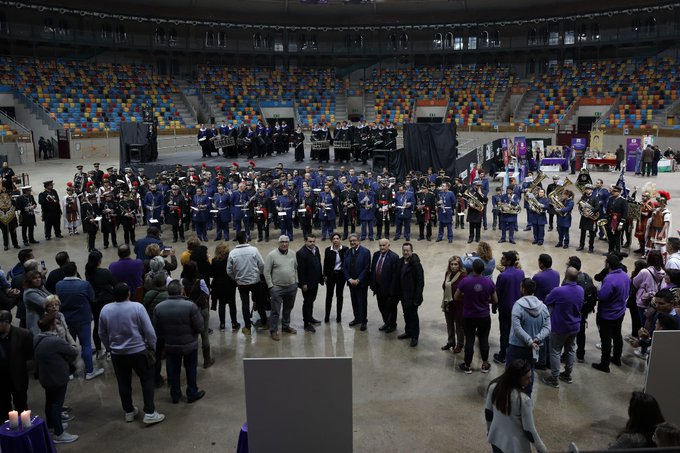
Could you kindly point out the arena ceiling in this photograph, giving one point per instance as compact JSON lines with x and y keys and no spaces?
{"x":354,"y":12}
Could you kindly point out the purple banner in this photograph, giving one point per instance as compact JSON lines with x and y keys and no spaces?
{"x":632,"y":146}
{"x":520,"y":146}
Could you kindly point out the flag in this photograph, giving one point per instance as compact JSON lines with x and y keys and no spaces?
{"x":473,"y":172}
{"x":621,"y":182}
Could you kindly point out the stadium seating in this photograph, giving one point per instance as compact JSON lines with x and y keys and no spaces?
{"x":89,"y":97}
{"x":237,"y":91}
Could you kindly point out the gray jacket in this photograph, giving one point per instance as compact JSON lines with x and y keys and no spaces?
{"x":530,"y":320}
{"x":245,"y":264}
{"x":178,"y":321}
{"x":53,"y":356}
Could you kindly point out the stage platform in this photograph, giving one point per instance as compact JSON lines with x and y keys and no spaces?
{"x":169,"y":158}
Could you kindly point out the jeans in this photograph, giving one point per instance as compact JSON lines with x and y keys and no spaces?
{"x":504,"y":324}
{"x":258,"y":299}
{"x":283,"y":300}
{"x":173,"y":366}
{"x":557,"y":343}
{"x":335,"y":281}
{"x":84,"y":335}
{"x":522,"y":352}
{"x":481,"y":328}
{"x":123,"y":365}
{"x":54,"y":402}
{"x":610,"y":331}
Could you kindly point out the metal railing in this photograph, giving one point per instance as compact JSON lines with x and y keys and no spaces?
{"x":606,"y":114}
{"x":14,"y":123}
{"x":40,"y":111}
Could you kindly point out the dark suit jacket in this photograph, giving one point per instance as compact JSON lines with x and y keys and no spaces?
{"x":388,"y":274}
{"x":21,"y":351}
{"x":309,"y":267}
{"x":411,"y":281}
{"x":329,"y":260}
{"x":362,"y":270}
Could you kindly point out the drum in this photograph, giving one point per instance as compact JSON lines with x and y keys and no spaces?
{"x":319,"y":145}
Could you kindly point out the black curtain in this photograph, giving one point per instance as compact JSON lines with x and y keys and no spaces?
{"x":131,"y":134}
{"x":426,"y":145}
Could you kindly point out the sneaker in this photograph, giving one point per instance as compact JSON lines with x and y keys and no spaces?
{"x":464,"y":368}
{"x":246,"y":331}
{"x":598,"y":345}
{"x":154,"y":418}
{"x":95,"y":372}
{"x":66,"y":417}
{"x":564,"y":377}
{"x":64,"y":438}
{"x":486,"y":367}
{"x":551,"y":381}
{"x":498,"y":359}
{"x":130,"y":416}
{"x":641,"y":355}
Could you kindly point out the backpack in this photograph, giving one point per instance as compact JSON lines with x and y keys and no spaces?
{"x":589,"y":293}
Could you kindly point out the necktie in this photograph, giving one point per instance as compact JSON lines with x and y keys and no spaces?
{"x":380,"y":264}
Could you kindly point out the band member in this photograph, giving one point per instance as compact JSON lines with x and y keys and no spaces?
{"x":51,"y":210}
{"x":646,"y":210}
{"x":616,"y":215}
{"x":348,"y":206}
{"x":494,"y":208}
{"x":366,"y":212}
{"x":8,"y":218}
{"x":79,"y":180}
{"x":425,"y":208}
{"x":222,"y":203}
{"x":98,"y":175}
{"x":564,"y":219}
{"x":446,"y":202}
{"x":284,"y":206}
{"x":602,"y":194}
{"x":404,"y":202}
{"x":109,"y":221}
{"x":299,"y":144}
{"x":390,"y":136}
{"x":659,"y":225}
{"x":127,"y":209}
{"x":589,"y":207}
{"x":458,"y":190}
{"x":7,"y":177}
{"x":175,"y":207}
{"x":204,"y":135}
{"x":539,"y":210}
{"x":153,"y":205}
{"x":551,"y":211}
{"x":89,"y":212}
{"x":508,"y":207}
{"x":475,"y":211}
{"x":70,"y":205}
{"x":240,"y":201}
{"x":263,"y":213}
{"x":200,"y":206}
{"x":326,"y":205}
{"x":25,"y":206}
{"x":384,"y":200}
{"x":485,"y":190}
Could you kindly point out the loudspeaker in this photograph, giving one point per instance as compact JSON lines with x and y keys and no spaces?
{"x":136,"y":153}
{"x":381,"y":159}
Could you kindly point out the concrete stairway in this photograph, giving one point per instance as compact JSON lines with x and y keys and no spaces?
{"x":186,"y":112}
{"x":525,"y":107}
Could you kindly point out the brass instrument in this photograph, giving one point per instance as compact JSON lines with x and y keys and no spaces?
{"x":602,"y":225}
{"x":535,"y":185}
{"x":366,"y":203}
{"x":473,"y":201}
{"x":586,"y":210}
{"x":555,"y":197}
{"x":535,"y":205}
{"x":507,"y":208}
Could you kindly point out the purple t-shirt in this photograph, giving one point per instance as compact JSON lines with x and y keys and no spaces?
{"x":477,"y":291}
{"x":130,"y":271}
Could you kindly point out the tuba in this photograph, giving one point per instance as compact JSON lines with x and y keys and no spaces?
{"x":586,"y":210}
{"x":473,"y":201}
{"x":536,"y":184}
{"x":534,"y":205}
{"x":555,"y":196}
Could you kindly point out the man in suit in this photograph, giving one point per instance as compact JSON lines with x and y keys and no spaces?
{"x":357,"y":272}
{"x":333,"y":260}
{"x":309,"y":279}
{"x":383,"y":281}
{"x":16,"y":348}
{"x":410,"y":281}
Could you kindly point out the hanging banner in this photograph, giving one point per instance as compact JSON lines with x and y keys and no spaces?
{"x":520,"y":147}
{"x":632,"y":147}
{"x":596,"y":140}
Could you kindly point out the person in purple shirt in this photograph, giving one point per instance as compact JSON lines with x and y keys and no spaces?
{"x":128,"y":270}
{"x":509,"y":289}
{"x":564,"y":303}
{"x":610,"y":312}
{"x":546,"y":280}
{"x":476,"y":292}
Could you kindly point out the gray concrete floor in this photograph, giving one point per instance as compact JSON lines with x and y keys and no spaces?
{"x":405,"y":399}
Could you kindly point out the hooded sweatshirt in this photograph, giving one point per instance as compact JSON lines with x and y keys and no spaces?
{"x":648,"y":281}
{"x":530,"y":320}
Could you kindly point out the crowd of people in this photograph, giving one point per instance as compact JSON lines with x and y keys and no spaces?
{"x":150,"y":306}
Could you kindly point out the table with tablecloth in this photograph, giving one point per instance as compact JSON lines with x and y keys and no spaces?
{"x":35,"y":439}
{"x":592,"y":162}
{"x":554,"y":164}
